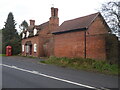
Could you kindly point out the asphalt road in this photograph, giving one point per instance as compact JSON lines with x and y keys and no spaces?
{"x":21,"y":72}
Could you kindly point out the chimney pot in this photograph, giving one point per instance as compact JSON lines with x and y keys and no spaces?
{"x":54,"y":12}
{"x":32,"y":22}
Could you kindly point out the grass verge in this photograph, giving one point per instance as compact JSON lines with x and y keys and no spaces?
{"x":85,"y":64}
{"x":2,"y":55}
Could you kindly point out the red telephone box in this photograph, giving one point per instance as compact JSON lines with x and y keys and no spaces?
{"x":8,"y":51}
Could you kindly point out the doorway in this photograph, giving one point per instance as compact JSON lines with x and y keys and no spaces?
{"x":30,"y":49}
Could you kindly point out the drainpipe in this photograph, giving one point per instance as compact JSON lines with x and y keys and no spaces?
{"x":85,"y":44}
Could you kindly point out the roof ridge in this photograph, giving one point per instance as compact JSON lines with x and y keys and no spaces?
{"x":93,"y":19}
{"x":81,"y":17}
{"x":43,"y":23}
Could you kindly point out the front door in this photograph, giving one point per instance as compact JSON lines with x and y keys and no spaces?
{"x":30,"y":49}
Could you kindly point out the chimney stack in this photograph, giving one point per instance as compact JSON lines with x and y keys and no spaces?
{"x":54,"y":20}
{"x":54,"y":12}
{"x":32,"y":22}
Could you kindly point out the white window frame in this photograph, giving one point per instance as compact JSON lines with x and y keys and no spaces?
{"x":35,"y":31}
{"x":23,"y":48}
{"x":23,"y":35}
{"x":35,"y":47}
{"x":27,"y":34}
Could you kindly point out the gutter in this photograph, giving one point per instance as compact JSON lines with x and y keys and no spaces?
{"x":74,"y":30}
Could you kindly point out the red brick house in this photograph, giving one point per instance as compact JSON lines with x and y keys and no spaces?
{"x":37,"y":40}
{"x":81,"y":37}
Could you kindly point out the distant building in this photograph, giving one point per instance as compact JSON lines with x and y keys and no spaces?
{"x":81,"y":37}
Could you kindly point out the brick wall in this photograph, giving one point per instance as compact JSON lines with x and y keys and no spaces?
{"x":69,"y":44}
{"x":33,"y":40}
{"x":96,"y":44}
{"x":95,"y":47}
{"x":112,"y":48}
{"x":72,"y":44}
{"x":46,"y":45}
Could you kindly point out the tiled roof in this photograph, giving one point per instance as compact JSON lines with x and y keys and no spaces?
{"x":81,"y":23}
{"x":42,"y":26}
{"x":31,"y":28}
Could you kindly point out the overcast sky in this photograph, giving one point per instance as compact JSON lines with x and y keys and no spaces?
{"x":39,"y":10}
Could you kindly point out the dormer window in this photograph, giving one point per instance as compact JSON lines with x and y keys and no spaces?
{"x":23,"y":35}
{"x":27,"y":34}
{"x":35,"y":31}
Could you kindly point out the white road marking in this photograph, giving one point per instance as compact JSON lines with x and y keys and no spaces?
{"x":41,"y":74}
{"x":35,"y":72}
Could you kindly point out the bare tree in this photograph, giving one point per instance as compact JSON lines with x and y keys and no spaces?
{"x":111,"y":12}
